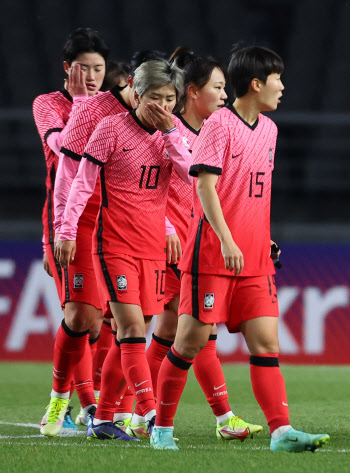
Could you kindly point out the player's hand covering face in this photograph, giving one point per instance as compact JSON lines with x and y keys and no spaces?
{"x":85,"y":75}
{"x":155,"y":107}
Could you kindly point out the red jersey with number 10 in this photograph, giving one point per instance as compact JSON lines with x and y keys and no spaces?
{"x":135,"y":178}
{"x":243,"y":158}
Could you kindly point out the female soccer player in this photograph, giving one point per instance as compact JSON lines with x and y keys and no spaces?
{"x":227,"y":270}
{"x":135,"y":152}
{"x":204,"y":93}
{"x":84,"y":54}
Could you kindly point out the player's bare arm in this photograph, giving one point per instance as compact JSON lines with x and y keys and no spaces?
{"x":173,"y":248}
{"x":46,"y":265}
{"x":210,"y":201}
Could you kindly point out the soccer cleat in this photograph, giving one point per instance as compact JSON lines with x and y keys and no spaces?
{"x":80,"y":418}
{"x":123,"y":424}
{"x":150,"y":425}
{"x":162,"y":439}
{"x":90,"y":416}
{"x":107,"y":431}
{"x":236,"y":428}
{"x":139,"y":431}
{"x":67,"y":422}
{"x":52,"y":422}
{"x":296,"y":441}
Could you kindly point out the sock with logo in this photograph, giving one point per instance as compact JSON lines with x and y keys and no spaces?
{"x":155,"y":354}
{"x":113,"y":383}
{"x":103,"y":345}
{"x":269,"y":389}
{"x":208,"y":371}
{"x":172,"y":378}
{"x":125,"y":405}
{"x":69,"y":348}
{"x":137,"y":372}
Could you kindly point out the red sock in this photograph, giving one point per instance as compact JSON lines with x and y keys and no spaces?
{"x":126,"y":402}
{"x":83,"y":378}
{"x":112,"y":383}
{"x":68,"y":350}
{"x":172,"y":378}
{"x":103,"y":345}
{"x":269,"y":389}
{"x":137,"y":372}
{"x":208,"y":371}
{"x":155,"y":354}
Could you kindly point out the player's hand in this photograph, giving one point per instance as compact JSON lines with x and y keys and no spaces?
{"x":75,"y":83}
{"x":65,"y":252}
{"x":46,"y":265}
{"x":159,"y":117}
{"x":274,"y":243}
{"x":173,"y":248}
{"x":233,"y":256}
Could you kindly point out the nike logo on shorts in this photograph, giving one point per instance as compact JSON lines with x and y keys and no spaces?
{"x":139,"y":384}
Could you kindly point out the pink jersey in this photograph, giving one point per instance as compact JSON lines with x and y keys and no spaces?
{"x":51,"y":113}
{"x":243,"y":158}
{"x":179,"y":205}
{"x":136,"y":165}
{"x":84,"y":122}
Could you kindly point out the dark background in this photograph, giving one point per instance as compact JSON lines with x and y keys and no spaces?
{"x":311,"y":193}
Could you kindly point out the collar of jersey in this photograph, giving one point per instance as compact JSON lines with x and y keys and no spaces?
{"x":187,"y":125}
{"x":234,"y":111}
{"x":66,"y":94}
{"x":116,"y":92}
{"x":149,"y":130}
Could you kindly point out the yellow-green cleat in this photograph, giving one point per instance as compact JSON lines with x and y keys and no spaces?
{"x":140,"y":431}
{"x":236,"y":428}
{"x":123,"y":424}
{"x":52,"y":422}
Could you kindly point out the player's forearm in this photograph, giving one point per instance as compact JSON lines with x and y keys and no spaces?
{"x":212,"y":209}
{"x":178,"y":154}
{"x":66,"y":172}
{"x":82,"y":189}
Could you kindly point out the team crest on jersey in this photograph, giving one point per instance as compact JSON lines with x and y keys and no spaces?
{"x":122,"y":283}
{"x":185,"y":141}
{"x":270,"y":156}
{"x":209,"y":300}
{"x":78,"y":281}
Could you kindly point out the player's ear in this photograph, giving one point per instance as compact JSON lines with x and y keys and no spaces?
{"x":255,"y":84}
{"x":66,"y":67}
{"x":130,"y":81}
{"x":136,"y":97}
{"x":192,"y":91}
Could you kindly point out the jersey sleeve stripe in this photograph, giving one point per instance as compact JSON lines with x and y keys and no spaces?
{"x":52,"y":130}
{"x":71,"y":154}
{"x":203,"y":167}
{"x":93,"y":160}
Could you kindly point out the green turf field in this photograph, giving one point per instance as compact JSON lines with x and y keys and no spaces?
{"x":318,"y":400}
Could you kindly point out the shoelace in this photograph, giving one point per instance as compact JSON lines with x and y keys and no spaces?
{"x":55,"y":409}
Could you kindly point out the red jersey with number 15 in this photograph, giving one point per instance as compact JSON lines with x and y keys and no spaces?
{"x":243,"y":157}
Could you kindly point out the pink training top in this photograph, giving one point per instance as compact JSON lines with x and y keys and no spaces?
{"x":136,"y":165}
{"x":243,"y":158}
{"x":84,"y":122}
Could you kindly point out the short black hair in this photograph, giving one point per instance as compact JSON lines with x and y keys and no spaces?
{"x":145,"y":55}
{"x":84,"y":40}
{"x":249,"y":62}
{"x":197,"y":70}
{"x":115,"y":72}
